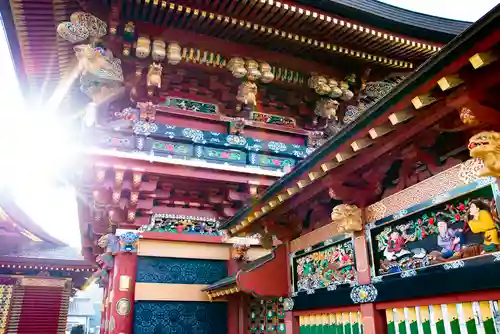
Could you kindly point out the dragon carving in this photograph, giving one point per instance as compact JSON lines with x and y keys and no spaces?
{"x":486,"y":146}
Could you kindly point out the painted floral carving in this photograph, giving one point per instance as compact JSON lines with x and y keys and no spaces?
{"x":272,"y":119}
{"x":322,"y":268}
{"x":181,"y":225}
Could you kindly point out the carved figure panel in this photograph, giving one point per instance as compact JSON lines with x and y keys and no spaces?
{"x":449,"y":232}
{"x":165,"y":223}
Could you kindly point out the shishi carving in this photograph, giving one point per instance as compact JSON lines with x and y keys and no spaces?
{"x":247,"y":93}
{"x":347,"y":217}
{"x":486,"y":146}
{"x":154,"y":75}
{"x":327,"y":108}
{"x":109,"y":242}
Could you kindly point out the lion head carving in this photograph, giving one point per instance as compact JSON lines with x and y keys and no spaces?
{"x":486,"y":146}
{"x":109,"y":242}
{"x":347,"y":217}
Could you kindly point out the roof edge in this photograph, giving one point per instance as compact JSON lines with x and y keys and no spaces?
{"x":393,"y":18}
{"x":17,"y":215}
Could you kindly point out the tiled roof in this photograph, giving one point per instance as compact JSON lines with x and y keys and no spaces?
{"x":392,"y":17}
{"x":53,"y":253}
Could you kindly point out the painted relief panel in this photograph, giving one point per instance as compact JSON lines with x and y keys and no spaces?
{"x":329,"y":265}
{"x":451,"y":228}
{"x":181,"y":224}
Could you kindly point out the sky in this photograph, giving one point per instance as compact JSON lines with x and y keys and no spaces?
{"x":454,"y":9}
{"x":54,"y":207}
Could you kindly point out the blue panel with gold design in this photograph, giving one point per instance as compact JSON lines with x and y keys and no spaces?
{"x":216,"y":139}
{"x":180,"y":317}
{"x":179,"y":271}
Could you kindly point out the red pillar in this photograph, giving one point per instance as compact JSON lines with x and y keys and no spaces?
{"x":122,"y":297}
{"x":233,"y":301}
{"x":103,"y":309}
{"x":107,"y":302}
{"x":233,"y":313}
{"x":373,"y":320}
{"x":291,"y":323}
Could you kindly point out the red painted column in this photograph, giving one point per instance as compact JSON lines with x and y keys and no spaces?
{"x":373,"y":320}
{"x":122,"y":297}
{"x":233,"y":313}
{"x":103,"y":309}
{"x":291,"y":323}
{"x":233,"y":301}
{"x":244,"y":314}
{"x":107,"y":302}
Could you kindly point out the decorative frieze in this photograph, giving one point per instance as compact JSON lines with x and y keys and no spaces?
{"x":190,"y":105}
{"x":272,"y":119}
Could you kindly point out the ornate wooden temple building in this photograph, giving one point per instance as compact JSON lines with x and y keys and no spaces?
{"x":391,"y":227}
{"x":38,"y":274}
{"x":254,"y":118}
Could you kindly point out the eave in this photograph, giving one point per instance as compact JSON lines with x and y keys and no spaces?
{"x":274,"y":25}
{"x":480,"y":37}
{"x":43,"y":61}
{"x":76,"y":266}
{"x":20,"y":219}
{"x":254,"y":277}
{"x":385,"y":16}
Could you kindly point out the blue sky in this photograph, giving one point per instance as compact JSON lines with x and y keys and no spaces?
{"x":455,"y":9}
{"x":54,"y":208}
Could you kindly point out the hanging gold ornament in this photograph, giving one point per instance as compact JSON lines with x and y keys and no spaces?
{"x":467,"y":117}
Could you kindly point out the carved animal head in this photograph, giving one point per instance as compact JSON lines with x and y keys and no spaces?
{"x":103,"y":241}
{"x":347,"y":217}
{"x":155,"y":69}
{"x":483,"y":143}
{"x":239,"y":252}
{"x":266,"y":241}
{"x":247,"y":92}
{"x":327,"y":108}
